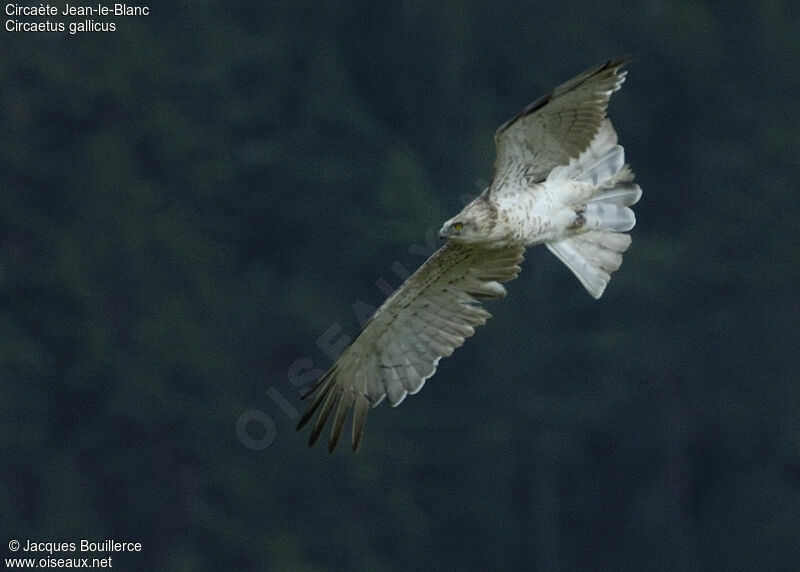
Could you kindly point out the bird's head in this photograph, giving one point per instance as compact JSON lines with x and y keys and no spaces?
{"x":454,"y":228}
{"x":473,"y":224}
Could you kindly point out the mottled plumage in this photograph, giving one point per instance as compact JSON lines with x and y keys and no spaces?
{"x":560,"y":180}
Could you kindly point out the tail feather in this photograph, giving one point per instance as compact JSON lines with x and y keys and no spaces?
{"x":592,"y":256}
{"x":623,"y":194}
{"x":595,"y":250}
{"x":608,"y":216}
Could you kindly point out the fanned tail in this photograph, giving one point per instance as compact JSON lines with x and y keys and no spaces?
{"x":592,"y":257}
{"x":595,"y":251}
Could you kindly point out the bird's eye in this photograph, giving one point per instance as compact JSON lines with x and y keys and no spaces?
{"x":457,"y":226}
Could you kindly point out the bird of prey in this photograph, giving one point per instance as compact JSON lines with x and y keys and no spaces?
{"x":560,"y":179}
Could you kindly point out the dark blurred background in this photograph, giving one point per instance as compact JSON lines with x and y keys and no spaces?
{"x":194,"y":207}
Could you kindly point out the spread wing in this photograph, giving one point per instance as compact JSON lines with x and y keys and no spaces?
{"x":555,"y":128}
{"x":430,"y":315}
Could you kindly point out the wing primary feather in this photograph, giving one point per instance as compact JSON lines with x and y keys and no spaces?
{"x":324,"y":413}
{"x":360,"y":410}
{"x":342,"y":409}
{"x":324,"y":386}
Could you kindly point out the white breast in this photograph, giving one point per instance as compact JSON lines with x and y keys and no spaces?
{"x":541,"y":212}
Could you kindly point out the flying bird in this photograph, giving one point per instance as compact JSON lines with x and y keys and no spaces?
{"x":560,"y":180}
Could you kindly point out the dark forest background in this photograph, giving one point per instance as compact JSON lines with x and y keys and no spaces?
{"x":195,"y":208}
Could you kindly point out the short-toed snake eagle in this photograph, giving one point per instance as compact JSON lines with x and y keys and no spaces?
{"x":560,"y":179}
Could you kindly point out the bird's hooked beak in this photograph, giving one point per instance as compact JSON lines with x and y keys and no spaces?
{"x":443,"y":233}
